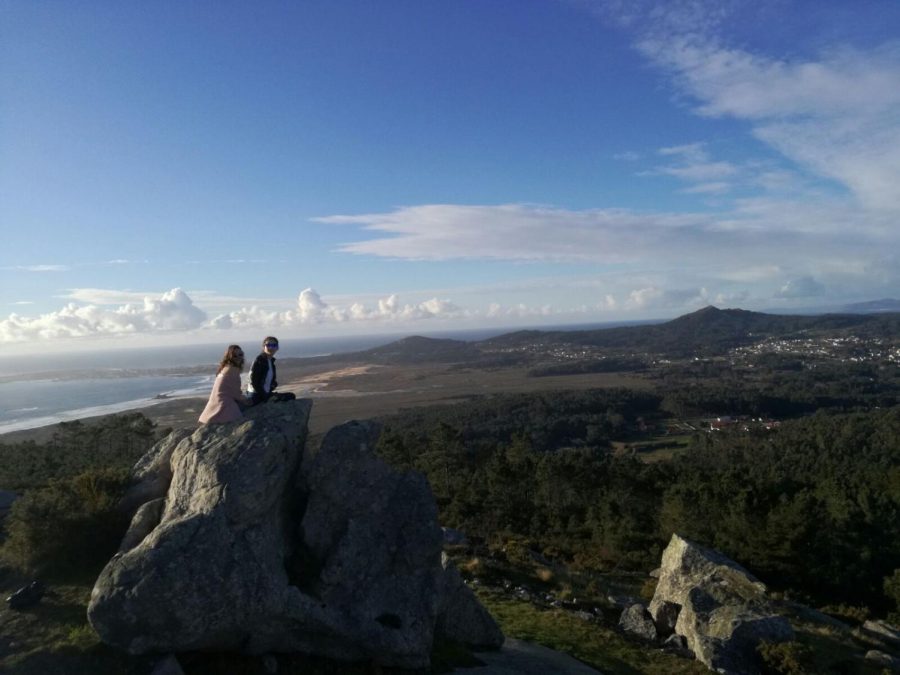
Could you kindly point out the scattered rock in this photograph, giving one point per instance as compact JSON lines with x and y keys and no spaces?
{"x":724,"y":612}
{"x":622,"y":601}
{"x":637,"y":621}
{"x":27,"y":596}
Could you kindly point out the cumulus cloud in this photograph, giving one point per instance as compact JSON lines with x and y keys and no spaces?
{"x":172,"y":311}
{"x":312,"y":309}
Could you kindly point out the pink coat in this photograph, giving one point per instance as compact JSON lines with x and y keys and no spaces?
{"x":223,"y":400}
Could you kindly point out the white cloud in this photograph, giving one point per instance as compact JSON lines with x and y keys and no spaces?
{"x":311,"y":309}
{"x":753,"y":233}
{"x":172,"y":311}
{"x":518,"y":232}
{"x":834,"y":115}
{"x":653,"y":297}
{"x":802,"y":287}
{"x":38,"y":268}
{"x":104,"y":296}
{"x":715,"y":188}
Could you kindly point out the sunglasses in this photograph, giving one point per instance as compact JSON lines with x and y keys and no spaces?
{"x":272,"y":345}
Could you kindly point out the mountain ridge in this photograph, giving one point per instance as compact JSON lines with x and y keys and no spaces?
{"x":708,"y":331}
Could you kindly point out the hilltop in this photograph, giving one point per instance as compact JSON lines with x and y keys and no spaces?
{"x":707,"y":332}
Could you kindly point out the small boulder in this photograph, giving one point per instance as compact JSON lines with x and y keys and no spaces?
{"x":636,"y":620}
{"x":27,"y":596}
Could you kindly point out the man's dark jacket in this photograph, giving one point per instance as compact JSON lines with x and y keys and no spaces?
{"x":258,"y":377}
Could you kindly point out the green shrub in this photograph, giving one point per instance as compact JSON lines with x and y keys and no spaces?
{"x":785,"y":658}
{"x":69,"y":528}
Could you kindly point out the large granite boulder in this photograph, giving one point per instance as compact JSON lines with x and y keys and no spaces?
{"x":255,"y":549}
{"x":372,"y":536}
{"x":724,"y":612}
{"x":210,"y":574}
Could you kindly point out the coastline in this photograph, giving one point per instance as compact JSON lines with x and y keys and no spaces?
{"x":177,"y":410}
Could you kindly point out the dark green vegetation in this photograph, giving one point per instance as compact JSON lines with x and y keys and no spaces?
{"x":813,"y":506}
{"x":111,"y":442}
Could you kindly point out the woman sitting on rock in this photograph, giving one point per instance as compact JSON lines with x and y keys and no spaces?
{"x":226,"y":399}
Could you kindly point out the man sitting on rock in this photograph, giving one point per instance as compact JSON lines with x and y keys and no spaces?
{"x":262,"y":375}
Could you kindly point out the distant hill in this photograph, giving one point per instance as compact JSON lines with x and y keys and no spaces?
{"x":418,"y":349}
{"x":873,"y":306}
{"x":707,"y":332}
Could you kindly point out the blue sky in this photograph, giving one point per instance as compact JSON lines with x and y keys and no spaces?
{"x":204,"y":171}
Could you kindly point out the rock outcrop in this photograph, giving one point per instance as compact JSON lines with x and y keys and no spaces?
{"x":724,"y":612}
{"x":254,"y":550}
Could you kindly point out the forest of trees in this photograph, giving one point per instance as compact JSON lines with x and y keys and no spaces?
{"x":813,"y":507}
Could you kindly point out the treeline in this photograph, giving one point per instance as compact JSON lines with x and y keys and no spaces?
{"x":782,"y":387}
{"x":581,"y":367}
{"x":117,"y":441}
{"x":813,"y":507}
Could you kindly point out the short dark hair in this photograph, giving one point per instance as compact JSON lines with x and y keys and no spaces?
{"x":270,"y":339}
